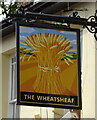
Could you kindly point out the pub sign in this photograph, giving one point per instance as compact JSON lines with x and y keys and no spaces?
{"x":48,"y":66}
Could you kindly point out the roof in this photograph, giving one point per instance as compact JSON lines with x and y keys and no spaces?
{"x":40,"y":7}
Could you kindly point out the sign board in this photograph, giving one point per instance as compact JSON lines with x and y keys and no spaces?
{"x":48,"y":66}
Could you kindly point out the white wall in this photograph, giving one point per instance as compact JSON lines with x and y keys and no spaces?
{"x":88,"y":63}
{"x":96,"y":74}
{"x":5,"y":81}
{"x":9,"y":44}
{"x":8,"y":48}
{"x":88,"y":76}
{"x":88,"y":67}
{"x":96,"y":81}
{"x":0,"y":86}
{"x":0,"y":78}
{"x":32,"y":112}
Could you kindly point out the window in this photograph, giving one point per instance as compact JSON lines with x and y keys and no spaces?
{"x":13,"y":108}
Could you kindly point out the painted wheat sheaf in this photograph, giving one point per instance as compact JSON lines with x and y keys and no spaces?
{"x":49,"y":49}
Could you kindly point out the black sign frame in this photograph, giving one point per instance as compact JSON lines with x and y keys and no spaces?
{"x":43,"y":103}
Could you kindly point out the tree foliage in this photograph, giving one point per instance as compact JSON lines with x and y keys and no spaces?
{"x":10,"y":8}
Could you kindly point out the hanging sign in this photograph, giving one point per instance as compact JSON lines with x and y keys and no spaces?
{"x":48,"y":66}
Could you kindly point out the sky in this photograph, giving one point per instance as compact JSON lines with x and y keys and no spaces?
{"x":28,"y":31}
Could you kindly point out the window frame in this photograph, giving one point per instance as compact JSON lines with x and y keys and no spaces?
{"x":13,"y":109}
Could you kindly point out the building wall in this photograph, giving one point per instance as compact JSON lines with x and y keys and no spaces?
{"x":88,"y":76}
{"x":9,"y":44}
{"x":88,"y":65}
{"x":88,"y":61}
{"x":8,"y":48}
{"x":36,"y":112}
{"x":96,"y":74}
{"x":0,"y":78}
{"x":88,"y":70}
{"x":5,"y":78}
{"x":96,"y":81}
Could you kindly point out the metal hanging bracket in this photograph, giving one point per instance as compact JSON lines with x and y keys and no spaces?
{"x":90,"y":23}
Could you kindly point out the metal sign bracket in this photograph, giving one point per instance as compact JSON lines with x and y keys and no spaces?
{"x":90,"y":23}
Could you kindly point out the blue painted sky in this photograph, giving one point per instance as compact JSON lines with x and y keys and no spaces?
{"x":27,"y":31}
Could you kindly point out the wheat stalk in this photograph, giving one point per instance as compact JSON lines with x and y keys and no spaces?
{"x":49,"y":49}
